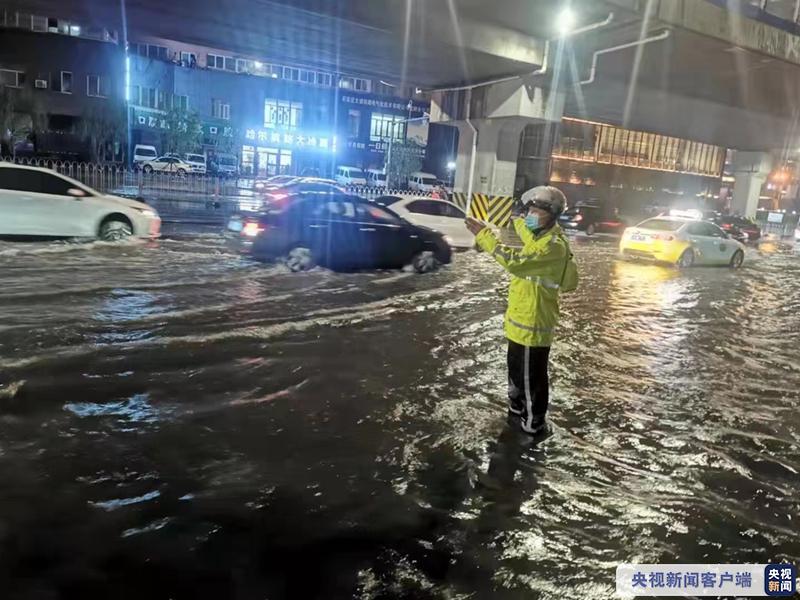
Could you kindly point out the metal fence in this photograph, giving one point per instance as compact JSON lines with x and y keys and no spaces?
{"x":122,"y":180}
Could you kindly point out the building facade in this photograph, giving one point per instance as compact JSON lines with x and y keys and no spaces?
{"x":59,"y":74}
{"x":277,"y":119}
{"x":626,"y":169}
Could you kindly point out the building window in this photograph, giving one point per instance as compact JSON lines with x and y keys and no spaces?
{"x":161,"y":100}
{"x":384,"y":89}
{"x":324,"y":79}
{"x":244,"y":66}
{"x":139,"y":49}
{"x":291,"y":73}
{"x":96,"y":86}
{"x":148,"y":97}
{"x":385,"y":127}
{"x":134,"y":95}
{"x":157,"y":52}
{"x":353,"y":123}
{"x":61,"y":82}
{"x":180,"y":102}
{"x":282,"y":114}
{"x":188,"y":59}
{"x":215,"y":61}
{"x":39,"y":23}
{"x":273,"y":71}
{"x":355,"y":83}
{"x":220,"y":110}
{"x":11,"y":78}
{"x":230,"y":64}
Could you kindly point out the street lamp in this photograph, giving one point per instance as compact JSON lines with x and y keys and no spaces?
{"x":565,"y":21}
{"x":451,"y":169}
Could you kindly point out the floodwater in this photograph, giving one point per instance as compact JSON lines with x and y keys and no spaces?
{"x":178,"y":422}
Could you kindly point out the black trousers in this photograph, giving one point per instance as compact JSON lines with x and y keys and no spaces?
{"x":528,"y":383}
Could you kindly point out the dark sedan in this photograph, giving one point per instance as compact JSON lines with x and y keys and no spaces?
{"x":282,"y":186}
{"x":732,"y":225}
{"x":337,"y":231}
{"x":590,"y":220}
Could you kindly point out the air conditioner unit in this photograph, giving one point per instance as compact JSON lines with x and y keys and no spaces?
{"x":212,"y":130}
{"x":40,"y":84}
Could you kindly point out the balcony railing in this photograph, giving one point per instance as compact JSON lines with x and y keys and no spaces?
{"x":19,"y":19}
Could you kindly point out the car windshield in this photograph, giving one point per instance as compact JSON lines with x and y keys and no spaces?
{"x":355,"y":174}
{"x":196,"y":157}
{"x":428,"y":180}
{"x":661,"y":225}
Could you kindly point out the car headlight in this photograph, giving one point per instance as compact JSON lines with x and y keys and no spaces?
{"x":148,"y":212}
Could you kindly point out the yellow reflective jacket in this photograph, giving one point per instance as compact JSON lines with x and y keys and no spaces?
{"x":537,"y":273}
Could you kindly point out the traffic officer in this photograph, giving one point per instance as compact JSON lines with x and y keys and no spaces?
{"x":540,"y":271}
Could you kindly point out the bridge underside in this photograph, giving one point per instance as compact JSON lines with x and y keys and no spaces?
{"x":688,"y":85}
{"x":694,"y":87}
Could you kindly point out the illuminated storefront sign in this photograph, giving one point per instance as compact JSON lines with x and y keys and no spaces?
{"x":290,"y":139}
{"x":381,"y":147}
{"x":385,"y":104}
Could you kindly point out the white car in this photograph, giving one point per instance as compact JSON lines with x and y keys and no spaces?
{"x":350,"y":176}
{"x":167,"y":164}
{"x":197,"y":162}
{"x":422,"y":182}
{"x":439,"y":215}
{"x":41,"y":202}
{"x":142,"y":153}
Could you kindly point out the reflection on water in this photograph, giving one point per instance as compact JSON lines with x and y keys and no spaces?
{"x":178,"y":422}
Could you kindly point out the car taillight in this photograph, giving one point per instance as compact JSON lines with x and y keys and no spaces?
{"x":726,"y":226}
{"x":252,"y":229}
{"x":578,"y":218}
{"x":664,"y":237}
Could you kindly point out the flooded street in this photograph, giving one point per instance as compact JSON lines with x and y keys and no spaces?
{"x":179,"y":422}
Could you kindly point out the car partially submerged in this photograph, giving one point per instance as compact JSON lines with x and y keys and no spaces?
{"x":681,"y":241}
{"x":338,"y":231}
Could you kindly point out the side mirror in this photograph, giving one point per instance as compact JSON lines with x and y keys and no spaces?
{"x":76,"y":193}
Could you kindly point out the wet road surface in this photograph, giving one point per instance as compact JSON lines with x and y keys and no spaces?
{"x":178,"y":422}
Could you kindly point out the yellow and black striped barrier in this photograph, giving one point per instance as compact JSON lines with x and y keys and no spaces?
{"x":491,"y":209}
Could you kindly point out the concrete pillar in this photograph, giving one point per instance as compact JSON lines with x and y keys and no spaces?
{"x":495,"y":159}
{"x":465,"y":140}
{"x":750,"y":170}
{"x":498,"y":113}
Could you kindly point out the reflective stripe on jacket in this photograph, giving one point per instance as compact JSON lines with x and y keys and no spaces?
{"x":536,"y":272}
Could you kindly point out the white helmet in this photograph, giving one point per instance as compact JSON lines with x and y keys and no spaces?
{"x":547,"y":198}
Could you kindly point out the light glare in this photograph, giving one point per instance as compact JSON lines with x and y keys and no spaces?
{"x":565,"y":21}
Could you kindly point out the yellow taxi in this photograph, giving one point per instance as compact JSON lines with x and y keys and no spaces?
{"x":682,"y":240}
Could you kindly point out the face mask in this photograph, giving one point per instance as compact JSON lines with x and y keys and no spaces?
{"x":532,"y":222}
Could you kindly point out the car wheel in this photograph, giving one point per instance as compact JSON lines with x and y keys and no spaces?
{"x":590,"y":230}
{"x":299,"y":259}
{"x":181,"y":172}
{"x":737,"y":259}
{"x":425,"y":262}
{"x":687,"y":259}
{"x":147,"y":169}
{"x":114,"y":230}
